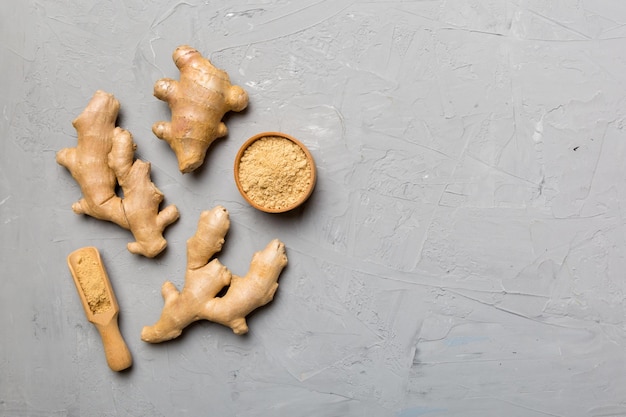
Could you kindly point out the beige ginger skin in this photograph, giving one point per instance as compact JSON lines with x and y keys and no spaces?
{"x":204,"y":280}
{"x":198,"y":103}
{"x":104,"y":158}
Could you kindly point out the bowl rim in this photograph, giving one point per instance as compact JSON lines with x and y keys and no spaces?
{"x":309,"y":158}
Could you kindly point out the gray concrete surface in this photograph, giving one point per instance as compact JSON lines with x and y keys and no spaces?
{"x":463,"y":253}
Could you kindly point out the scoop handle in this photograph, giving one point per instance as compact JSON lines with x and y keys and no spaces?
{"x":117,"y":354}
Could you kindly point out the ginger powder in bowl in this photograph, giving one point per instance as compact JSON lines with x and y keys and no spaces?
{"x":274,"y":172}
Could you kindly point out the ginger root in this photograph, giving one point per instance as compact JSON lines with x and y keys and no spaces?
{"x":204,"y":280}
{"x":104,"y":158}
{"x":198,"y":103}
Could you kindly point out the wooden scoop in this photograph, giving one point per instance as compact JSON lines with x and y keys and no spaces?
{"x":101,"y":308}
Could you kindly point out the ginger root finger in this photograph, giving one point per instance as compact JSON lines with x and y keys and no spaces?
{"x":250,"y":292}
{"x":209,"y":237}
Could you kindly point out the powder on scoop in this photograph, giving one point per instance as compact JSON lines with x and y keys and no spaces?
{"x":91,"y":279}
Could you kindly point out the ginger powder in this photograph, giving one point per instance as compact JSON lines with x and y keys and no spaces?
{"x":91,"y":279}
{"x":275,"y":173}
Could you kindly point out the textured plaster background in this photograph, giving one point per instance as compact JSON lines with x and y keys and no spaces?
{"x":463,"y":253}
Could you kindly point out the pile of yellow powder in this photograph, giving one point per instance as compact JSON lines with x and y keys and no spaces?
{"x":274,"y":172}
{"x":91,"y":279}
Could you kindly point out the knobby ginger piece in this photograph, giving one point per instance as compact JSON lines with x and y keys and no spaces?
{"x":198,"y":103}
{"x":204,"y":280}
{"x":103,"y":159}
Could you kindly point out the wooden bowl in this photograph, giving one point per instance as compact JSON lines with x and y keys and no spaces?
{"x":274,"y":172}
